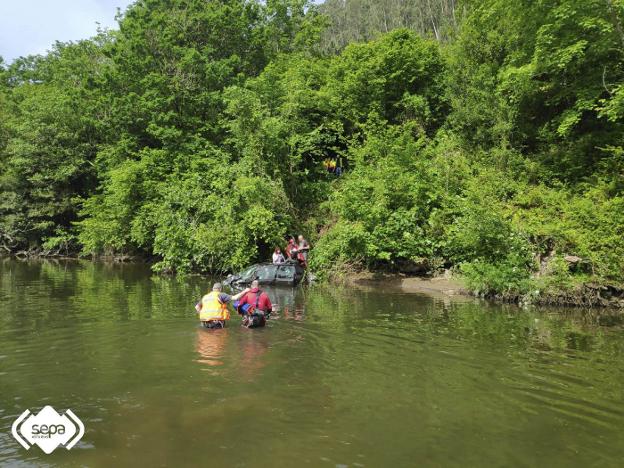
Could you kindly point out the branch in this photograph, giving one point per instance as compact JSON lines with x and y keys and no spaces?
{"x":604,"y":83}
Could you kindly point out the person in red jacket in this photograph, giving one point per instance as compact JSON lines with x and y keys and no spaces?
{"x":291,"y":249}
{"x":259,"y":307}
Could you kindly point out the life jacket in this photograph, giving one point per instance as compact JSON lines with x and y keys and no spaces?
{"x":289,"y":249}
{"x":259,"y":293}
{"x":212,"y":308}
{"x":255,"y":317}
{"x":249,"y":308}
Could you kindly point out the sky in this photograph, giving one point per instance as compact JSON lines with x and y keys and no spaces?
{"x":32,"y":26}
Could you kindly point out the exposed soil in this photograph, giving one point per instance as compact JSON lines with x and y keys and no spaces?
{"x":585,"y":296}
{"x":439,"y":286}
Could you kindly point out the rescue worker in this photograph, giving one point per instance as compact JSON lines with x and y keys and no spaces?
{"x":259,"y":306}
{"x":330,"y":165}
{"x":213,"y":308}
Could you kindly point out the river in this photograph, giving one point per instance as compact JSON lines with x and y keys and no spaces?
{"x":338,"y":378}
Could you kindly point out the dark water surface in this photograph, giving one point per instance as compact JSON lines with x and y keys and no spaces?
{"x":338,"y":378}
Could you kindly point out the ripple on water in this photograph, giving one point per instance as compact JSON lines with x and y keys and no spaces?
{"x":374,"y":379}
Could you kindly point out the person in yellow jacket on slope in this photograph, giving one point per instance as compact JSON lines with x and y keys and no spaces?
{"x":213,"y":308}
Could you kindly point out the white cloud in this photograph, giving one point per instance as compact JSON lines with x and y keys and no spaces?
{"x":32,"y":26}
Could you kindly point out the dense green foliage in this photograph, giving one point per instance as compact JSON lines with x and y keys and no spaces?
{"x":490,"y":142}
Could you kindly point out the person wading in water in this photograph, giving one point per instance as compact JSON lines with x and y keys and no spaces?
{"x":258,"y":306}
{"x":213,"y":308}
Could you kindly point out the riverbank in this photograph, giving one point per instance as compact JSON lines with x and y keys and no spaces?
{"x":437,"y":286}
{"x":447,"y":285}
{"x":581,"y":295}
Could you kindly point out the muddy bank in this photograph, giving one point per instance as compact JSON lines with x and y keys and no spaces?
{"x":438,"y":286}
{"x":584,"y":296}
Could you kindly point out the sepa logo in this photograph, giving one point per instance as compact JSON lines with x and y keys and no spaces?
{"x":48,"y":429}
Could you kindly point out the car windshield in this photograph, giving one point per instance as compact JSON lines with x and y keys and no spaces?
{"x":248,"y":273}
{"x":266,"y":273}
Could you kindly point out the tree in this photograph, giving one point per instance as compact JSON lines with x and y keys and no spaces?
{"x":364,"y":20}
{"x":48,"y":156}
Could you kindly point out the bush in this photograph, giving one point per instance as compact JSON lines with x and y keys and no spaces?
{"x":384,"y":203}
{"x":509,"y":278}
{"x":343,"y":245}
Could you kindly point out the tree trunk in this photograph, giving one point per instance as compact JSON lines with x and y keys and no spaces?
{"x":617,"y":22}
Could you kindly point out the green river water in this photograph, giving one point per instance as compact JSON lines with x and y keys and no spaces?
{"x":338,"y":378}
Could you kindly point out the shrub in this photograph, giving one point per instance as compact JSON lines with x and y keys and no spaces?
{"x":509,"y":278}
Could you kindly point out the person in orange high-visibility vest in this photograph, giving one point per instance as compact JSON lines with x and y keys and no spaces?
{"x":213,"y":308}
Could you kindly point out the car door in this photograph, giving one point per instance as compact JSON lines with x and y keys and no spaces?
{"x":285,"y":274}
{"x":298,"y":274}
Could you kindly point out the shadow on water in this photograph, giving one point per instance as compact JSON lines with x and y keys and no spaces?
{"x":339,"y":377}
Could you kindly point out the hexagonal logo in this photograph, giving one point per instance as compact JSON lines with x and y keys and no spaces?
{"x":48,"y":429}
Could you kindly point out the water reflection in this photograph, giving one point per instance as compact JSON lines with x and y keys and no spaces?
{"x":293,"y":312}
{"x":432,"y":381}
{"x":211,"y":346}
{"x":254,"y":344}
{"x":241,"y":348}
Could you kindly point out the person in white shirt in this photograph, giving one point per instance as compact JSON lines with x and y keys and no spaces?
{"x":278,"y":256}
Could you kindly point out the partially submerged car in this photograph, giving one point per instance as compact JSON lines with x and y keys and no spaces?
{"x":287,"y":274}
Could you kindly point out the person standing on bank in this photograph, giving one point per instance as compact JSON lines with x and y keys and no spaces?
{"x":302,"y":251}
{"x":291,"y":249}
{"x":213,"y":308}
